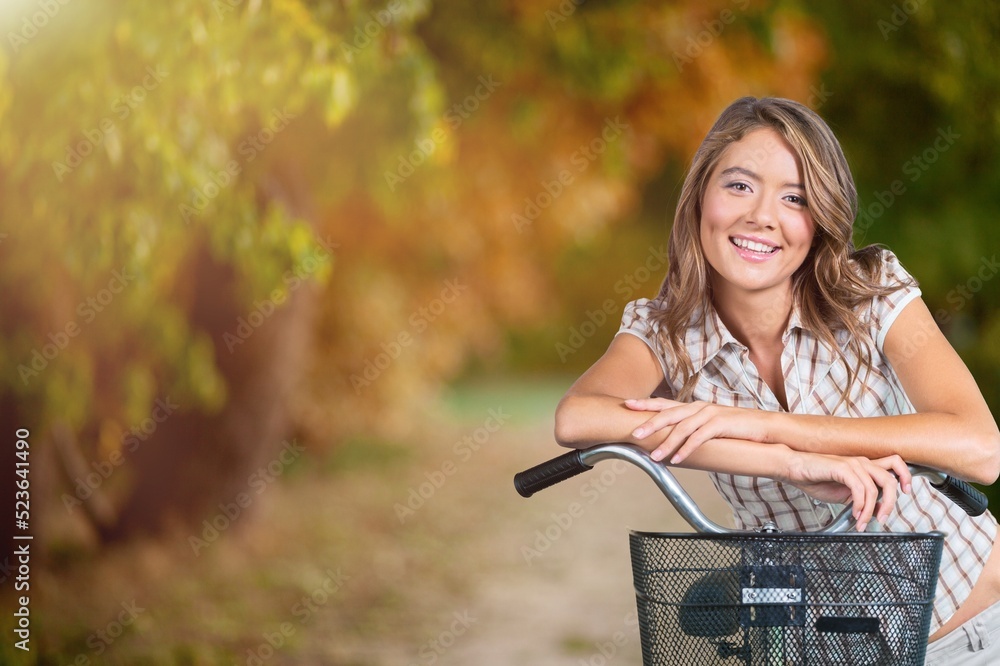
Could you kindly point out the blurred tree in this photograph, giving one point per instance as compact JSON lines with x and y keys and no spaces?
{"x":181,"y":179}
{"x":159,"y":235}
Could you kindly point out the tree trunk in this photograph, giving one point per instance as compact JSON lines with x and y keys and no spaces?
{"x":193,"y":461}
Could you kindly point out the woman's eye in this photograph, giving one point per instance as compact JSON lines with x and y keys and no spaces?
{"x":796,"y":199}
{"x":739,"y":187}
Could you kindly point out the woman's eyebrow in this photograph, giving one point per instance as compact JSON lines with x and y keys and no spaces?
{"x":750,"y":174}
{"x":741,"y":171}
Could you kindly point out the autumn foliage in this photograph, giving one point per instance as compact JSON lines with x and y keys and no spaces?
{"x":301,"y":218}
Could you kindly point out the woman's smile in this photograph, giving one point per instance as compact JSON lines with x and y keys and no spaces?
{"x":754,"y":249}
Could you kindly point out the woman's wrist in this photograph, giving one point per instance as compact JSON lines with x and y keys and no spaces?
{"x":791,"y":465}
{"x":789,"y":429}
{"x":744,"y":457}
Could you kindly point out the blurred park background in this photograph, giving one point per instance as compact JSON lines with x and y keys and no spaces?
{"x":290,"y":289}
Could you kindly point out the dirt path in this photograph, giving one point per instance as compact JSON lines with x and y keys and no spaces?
{"x":547,"y":581}
{"x":414,"y":553}
{"x":559,"y":590}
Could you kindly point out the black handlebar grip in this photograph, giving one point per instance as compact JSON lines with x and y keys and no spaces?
{"x":963,"y":494}
{"x":549,"y":473}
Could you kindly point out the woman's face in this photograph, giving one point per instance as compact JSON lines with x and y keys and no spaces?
{"x":756,"y":229}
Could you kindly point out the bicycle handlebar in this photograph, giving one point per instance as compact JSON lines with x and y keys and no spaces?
{"x":960,"y":492}
{"x":578,"y":461}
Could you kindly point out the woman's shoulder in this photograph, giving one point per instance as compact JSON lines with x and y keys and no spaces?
{"x":647,"y":306}
{"x":642,"y":314}
{"x":652,"y":312}
{"x":892,"y":288}
{"x":880,"y":267}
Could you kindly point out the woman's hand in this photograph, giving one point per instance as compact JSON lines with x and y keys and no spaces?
{"x":694,"y":423}
{"x":839,"y":479}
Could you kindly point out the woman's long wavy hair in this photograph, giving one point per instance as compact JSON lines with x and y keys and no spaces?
{"x":833,"y":281}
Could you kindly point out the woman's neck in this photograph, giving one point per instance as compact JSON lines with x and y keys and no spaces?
{"x":757,"y":319}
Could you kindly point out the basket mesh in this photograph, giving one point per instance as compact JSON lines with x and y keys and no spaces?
{"x":785,"y":599}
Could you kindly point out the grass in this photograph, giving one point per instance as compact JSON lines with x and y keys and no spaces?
{"x":528,"y":401}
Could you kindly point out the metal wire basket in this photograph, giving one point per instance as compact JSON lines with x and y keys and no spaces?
{"x":777,"y":599}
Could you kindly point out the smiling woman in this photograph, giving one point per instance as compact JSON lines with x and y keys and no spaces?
{"x":781,"y":359}
{"x":756,"y":230}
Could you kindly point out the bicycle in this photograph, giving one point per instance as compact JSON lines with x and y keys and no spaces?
{"x":725,"y":596}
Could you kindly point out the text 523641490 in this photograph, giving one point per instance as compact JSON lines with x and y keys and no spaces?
{"x":22,"y":539}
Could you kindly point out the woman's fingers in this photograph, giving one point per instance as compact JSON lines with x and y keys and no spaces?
{"x":651,"y":404}
{"x":691,"y":425}
{"x":899,"y":467}
{"x":667,"y":416}
{"x":883,"y":475}
{"x":862,"y":478}
{"x":890,"y":493}
{"x":687,"y":433}
{"x":898,"y":478}
{"x":709,"y":422}
{"x":690,"y":435}
{"x":864,"y":493}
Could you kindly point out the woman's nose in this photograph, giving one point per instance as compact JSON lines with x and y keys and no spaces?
{"x":763,"y":213}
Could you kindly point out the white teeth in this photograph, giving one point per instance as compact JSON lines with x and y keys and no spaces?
{"x":753,"y":246}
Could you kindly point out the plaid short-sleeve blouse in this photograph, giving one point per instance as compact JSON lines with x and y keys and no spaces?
{"x":814,"y":379}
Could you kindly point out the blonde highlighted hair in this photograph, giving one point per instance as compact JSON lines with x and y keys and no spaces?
{"x":833,"y":281}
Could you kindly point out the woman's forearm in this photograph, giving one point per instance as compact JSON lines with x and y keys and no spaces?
{"x":947,"y":442}
{"x":964,"y":444}
{"x":587,"y":420}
